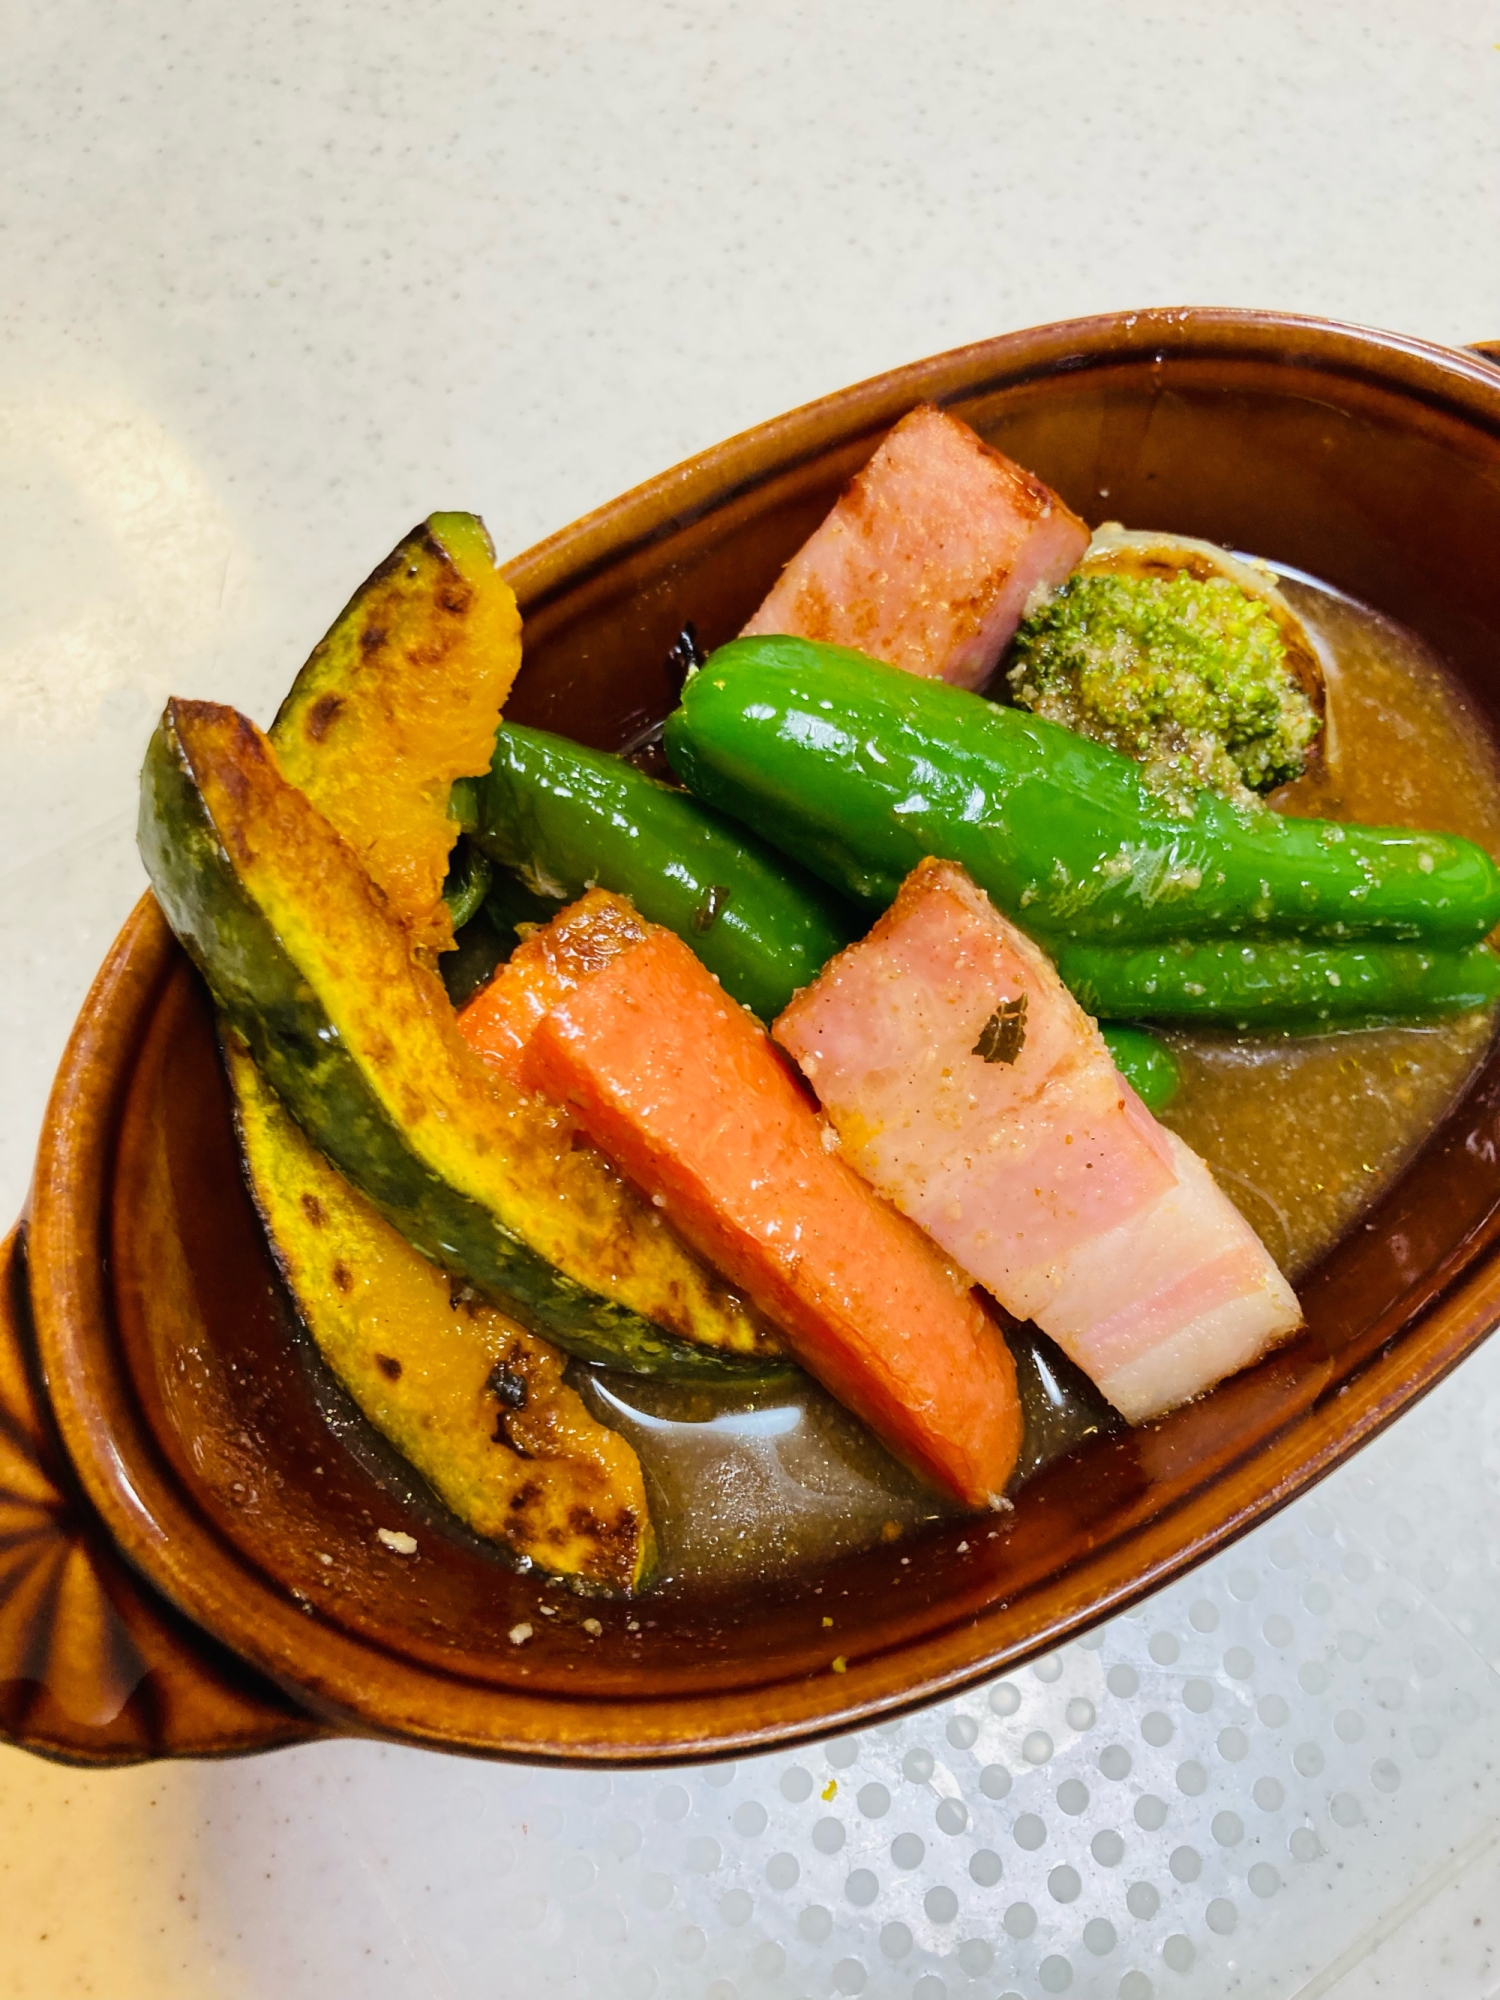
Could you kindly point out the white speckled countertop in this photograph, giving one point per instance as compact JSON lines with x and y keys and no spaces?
{"x":277,"y":281}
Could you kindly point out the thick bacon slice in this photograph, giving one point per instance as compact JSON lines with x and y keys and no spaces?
{"x":1007,"y":1132}
{"x":929,"y":555}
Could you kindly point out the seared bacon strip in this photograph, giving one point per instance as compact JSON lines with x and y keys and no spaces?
{"x":929,"y":556}
{"x":1008,"y":1134}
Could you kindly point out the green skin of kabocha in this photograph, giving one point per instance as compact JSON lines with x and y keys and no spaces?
{"x":266,"y":997}
{"x":859,"y":771}
{"x":565,"y":819}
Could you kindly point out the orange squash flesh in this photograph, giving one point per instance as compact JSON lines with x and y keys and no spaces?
{"x":401,"y":697}
{"x":683,"y":1089}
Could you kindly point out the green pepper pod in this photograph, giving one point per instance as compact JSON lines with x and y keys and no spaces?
{"x":566,"y":819}
{"x":1147,"y":1065}
{"x":468,"y":883}
{"x":1280,"y":982}
{"x":859,"y":770}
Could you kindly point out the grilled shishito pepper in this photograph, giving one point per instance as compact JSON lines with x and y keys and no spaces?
{"x":1147,"y":1065}
{"x":567,"y":819}
{"x":1280,"y":982}
{"x":859,"y":771}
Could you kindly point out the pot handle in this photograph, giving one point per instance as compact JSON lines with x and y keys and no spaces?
{"x":1487,"y":350}
{"x":95,"y":1668}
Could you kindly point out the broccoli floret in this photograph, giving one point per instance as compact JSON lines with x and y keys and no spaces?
{"x":1189,"y":676}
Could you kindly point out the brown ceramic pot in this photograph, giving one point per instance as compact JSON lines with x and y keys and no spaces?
{"x":169,"y":1485}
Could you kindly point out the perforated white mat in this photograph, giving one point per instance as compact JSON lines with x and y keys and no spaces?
{"x":1211,"y":1795}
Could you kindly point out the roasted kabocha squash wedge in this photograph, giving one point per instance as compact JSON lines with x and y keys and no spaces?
{"x":476,"y":1403}
{"x":356,"y":1035}
{"x":402,"y":697}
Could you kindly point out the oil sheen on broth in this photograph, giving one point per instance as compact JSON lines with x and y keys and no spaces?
{"x":1303,"y":1134}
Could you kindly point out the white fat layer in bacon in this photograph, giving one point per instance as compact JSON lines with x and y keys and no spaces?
{"x":1218,"y":1344}
{"x":929,"y":556}
{"x":1045,"y":1177}
{"x":1180,"y":1296}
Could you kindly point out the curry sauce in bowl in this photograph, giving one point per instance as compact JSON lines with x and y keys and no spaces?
{"x":1307,"y":1132}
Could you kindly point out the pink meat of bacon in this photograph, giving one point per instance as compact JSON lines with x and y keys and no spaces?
{"x":929,"y":556}
{"x":1043,"y":1176}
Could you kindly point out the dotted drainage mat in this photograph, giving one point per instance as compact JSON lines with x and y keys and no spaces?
{"x":1223,"y":1791}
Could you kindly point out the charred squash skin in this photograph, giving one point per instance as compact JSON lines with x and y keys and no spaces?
{"x":402,"y":697}
{"x":476,"y":1403}
{"x":358,"y":1039}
